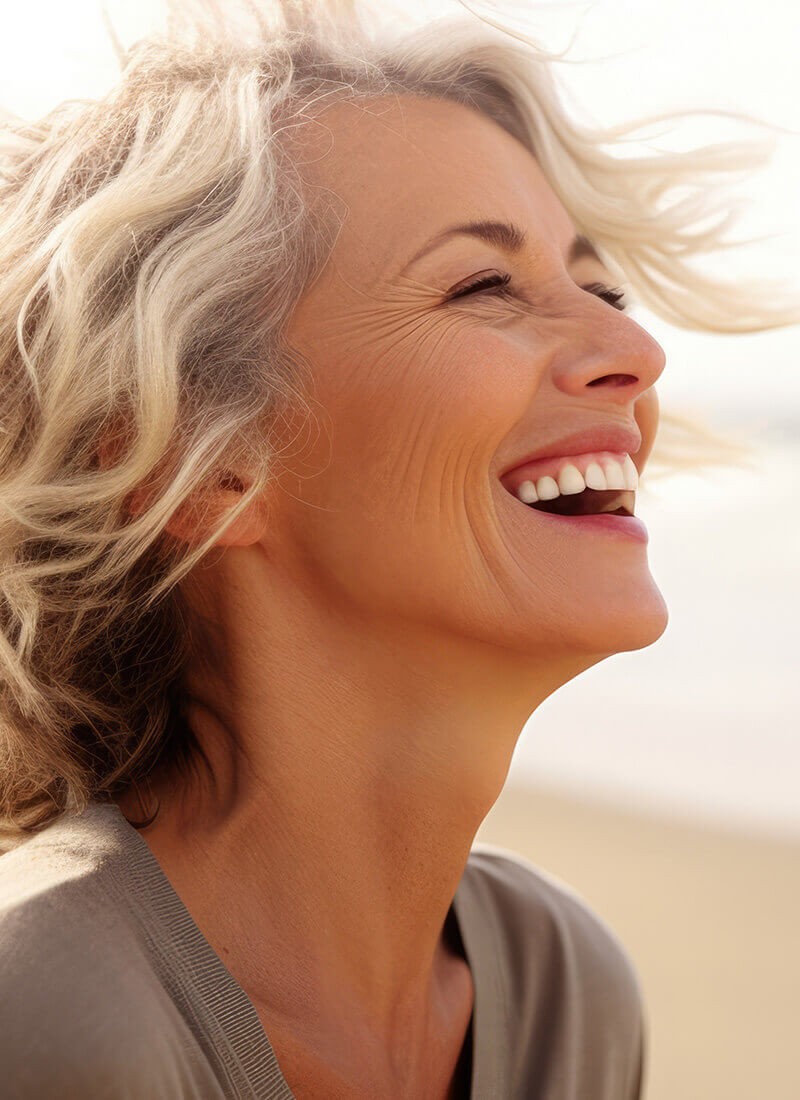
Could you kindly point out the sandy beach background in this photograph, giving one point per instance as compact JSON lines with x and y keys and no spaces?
{"x":711,"y":919}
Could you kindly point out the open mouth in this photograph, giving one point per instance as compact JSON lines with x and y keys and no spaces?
{"x":591,"y":502}
{"x":595,"y":483}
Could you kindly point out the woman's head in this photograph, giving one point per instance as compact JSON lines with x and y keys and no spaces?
{"x":212,"y":334}
{"x":430,"y":398}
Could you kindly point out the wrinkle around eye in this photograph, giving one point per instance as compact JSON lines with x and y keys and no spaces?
{"x":377,"y":322}
{"x":396,"y":322}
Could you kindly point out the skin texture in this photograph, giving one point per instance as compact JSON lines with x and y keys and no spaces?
{"x":385,"y":621}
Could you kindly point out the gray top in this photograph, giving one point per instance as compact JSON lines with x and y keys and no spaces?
{"x":109,"y":991}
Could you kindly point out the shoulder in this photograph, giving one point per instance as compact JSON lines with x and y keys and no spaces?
{"x":535,"y":905}
{"x":76,"y":995}
{"x":560,"y":961}
{"x":62,"y":898}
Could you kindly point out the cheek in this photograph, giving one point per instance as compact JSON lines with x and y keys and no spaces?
{"x":407,"y":395}
{"x":414,"y":419}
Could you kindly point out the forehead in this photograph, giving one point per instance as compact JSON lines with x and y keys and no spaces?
{"x":408,"y":167}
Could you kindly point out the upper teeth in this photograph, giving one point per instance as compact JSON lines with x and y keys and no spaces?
{"x":600,"y":472}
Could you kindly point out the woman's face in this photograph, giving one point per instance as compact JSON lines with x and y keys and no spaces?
{"x":398,"y":508}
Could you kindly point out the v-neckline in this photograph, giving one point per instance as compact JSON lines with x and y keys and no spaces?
{"x":239,"y":1026}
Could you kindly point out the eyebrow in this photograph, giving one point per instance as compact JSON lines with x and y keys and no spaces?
{"x":510,"y":238}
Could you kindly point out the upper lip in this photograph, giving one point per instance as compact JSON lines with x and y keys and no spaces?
{"x":602,"y":437}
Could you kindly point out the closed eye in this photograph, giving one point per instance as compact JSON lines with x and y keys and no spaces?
{"x":500,"y":286}
{"x":611,"y":294}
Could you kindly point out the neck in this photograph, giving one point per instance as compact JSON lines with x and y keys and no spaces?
{"x":352,"y":765}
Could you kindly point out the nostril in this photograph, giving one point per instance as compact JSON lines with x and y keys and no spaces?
{"x":614,"y":379}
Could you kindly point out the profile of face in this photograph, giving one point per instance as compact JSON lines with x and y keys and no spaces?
{"x":401,"y":511}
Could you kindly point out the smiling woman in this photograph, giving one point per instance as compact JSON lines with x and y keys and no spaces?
{"x":314,"y":363}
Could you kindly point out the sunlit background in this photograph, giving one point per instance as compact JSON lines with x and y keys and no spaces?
{"x":699,"y":731}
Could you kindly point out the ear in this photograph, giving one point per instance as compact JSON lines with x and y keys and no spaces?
{"x":204,"y":509}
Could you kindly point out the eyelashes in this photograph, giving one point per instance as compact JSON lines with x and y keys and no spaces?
{"x":613,"y":295}
{"x":500,"y":282}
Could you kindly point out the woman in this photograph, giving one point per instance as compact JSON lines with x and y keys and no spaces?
{"x":316,"y":379}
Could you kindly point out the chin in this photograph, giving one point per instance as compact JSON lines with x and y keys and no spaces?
{"x":595,"y":621}
{"x":623,"y":625}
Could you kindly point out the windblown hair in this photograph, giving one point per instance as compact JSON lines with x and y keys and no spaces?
{"x":153,"y":246}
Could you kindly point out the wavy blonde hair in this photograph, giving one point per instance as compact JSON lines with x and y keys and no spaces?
{"x":153,"y":246}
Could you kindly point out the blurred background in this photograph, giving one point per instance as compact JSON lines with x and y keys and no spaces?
{"x":663,"y":784}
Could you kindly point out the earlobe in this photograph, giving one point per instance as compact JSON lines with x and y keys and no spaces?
{"x":194,"y":521}
{"x":248,"y":527}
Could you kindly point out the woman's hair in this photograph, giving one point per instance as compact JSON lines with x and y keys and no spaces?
{"x":153,"y":246}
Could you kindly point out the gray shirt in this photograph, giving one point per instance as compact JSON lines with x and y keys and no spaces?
{"x":109,"y":991}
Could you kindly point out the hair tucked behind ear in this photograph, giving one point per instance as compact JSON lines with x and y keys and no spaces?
{"x":154,"y":244}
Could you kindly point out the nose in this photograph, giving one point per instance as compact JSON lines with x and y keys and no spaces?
{"x":615,"y":357}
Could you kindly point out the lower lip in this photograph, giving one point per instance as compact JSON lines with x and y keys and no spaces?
{"x":629,"y":527}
